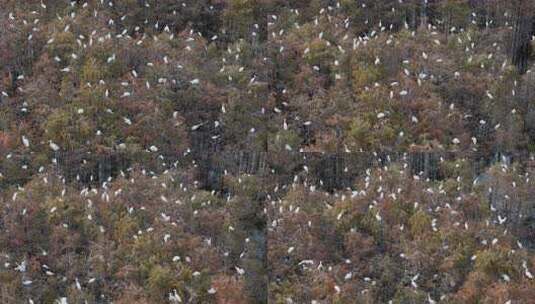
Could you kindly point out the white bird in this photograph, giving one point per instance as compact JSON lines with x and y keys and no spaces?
{"x":174,"y":297}
{"x":62,"y":300}
{"x":413,"y":281}
{"x":239,"y":270}
{"x":378,"y":217}
{"x":53,"y":146}
{"x":195,"y":127}
{"x":25,"y":141}
{"x":21,"y":267}
{"x":165,"y":217}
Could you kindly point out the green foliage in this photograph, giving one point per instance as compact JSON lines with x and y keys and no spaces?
{"x":360,"y":135}
{"x":420,"y":224}
{"x":494,"y":263}
{"x":319,"y":54}
{"x":64,"y":44}
{"x":240,"y":16}
{"x":91,"y":71}
{"x":160,"y":282}
{"x":282,"y":138}
{"x":455,"y":12}
{"x":67,"y":129}
{"x":366,"y":75}
{"x":409,"y":296}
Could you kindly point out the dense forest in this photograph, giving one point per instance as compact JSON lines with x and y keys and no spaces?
{"x":267,"y":151}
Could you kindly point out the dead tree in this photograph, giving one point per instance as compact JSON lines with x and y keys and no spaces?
{"x":523,"y":29}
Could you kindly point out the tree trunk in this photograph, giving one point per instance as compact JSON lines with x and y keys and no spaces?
{"x":521,"y":48}
{"x":423,"y":12}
